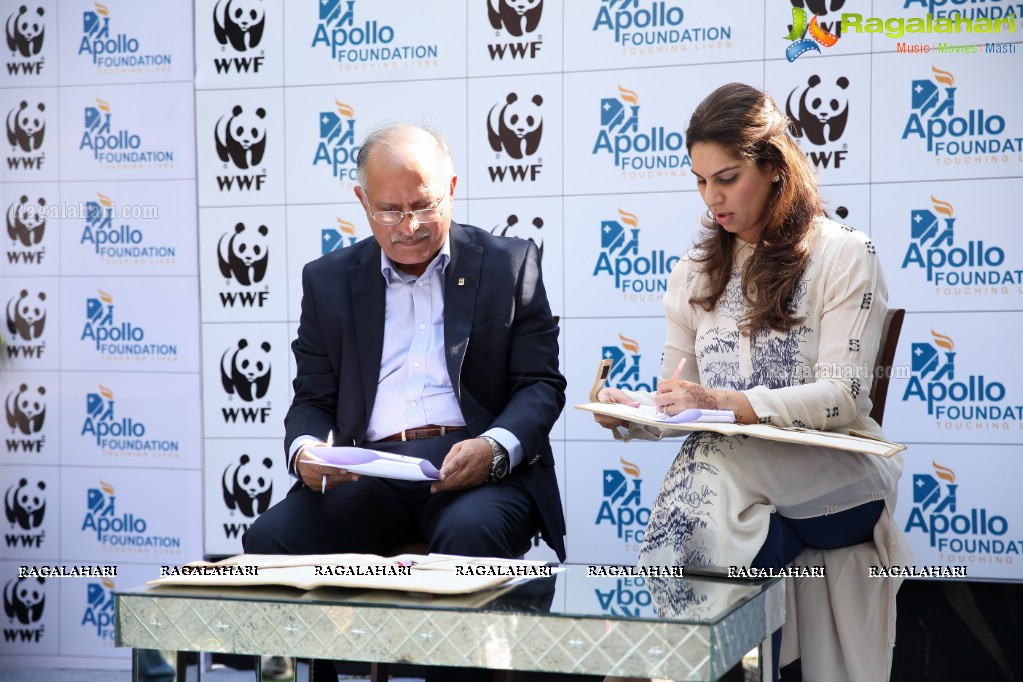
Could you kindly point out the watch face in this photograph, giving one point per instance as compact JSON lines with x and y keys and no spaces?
{"x":500,"y":468}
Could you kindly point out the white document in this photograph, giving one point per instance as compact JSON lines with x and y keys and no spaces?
{"x":366,"y":462}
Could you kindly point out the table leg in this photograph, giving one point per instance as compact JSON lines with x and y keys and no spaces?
{"x":186,"y":665}
{"x":765,"y":663}
{"x":379,"y":672}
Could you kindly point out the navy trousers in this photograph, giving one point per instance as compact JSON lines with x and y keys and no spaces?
{"x":786,"y":538}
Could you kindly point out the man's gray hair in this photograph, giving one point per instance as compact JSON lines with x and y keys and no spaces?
{"x":389,"y":134}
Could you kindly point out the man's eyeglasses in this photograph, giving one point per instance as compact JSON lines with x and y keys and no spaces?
{"x":421,"y":216}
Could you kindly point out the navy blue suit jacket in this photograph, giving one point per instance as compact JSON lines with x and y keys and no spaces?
{"x":501,"y":347}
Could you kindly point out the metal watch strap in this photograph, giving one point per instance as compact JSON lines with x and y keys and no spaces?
{"x":500,"y":452}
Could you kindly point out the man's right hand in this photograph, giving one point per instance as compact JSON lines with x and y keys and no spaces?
{"x":613,"y":395}
{"x":316,"y":475}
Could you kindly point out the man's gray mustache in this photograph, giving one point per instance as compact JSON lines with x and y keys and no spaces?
{"x":418,"y":234}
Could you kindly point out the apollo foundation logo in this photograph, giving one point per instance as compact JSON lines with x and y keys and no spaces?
{"x":622,"y":506}
{"x":117,"y":148}
{"x":954,"y":135}
{"x":638,"y":276}
{"x":968,"y":268}
{"x":113,"y":52}
{"x":124,"y":531}
{"x":626,"y":366}
{"x":25,"y":30}
{"x":335,"y":238}
{"x":118,"y":340}
{"x":973,"y":402}
{"x":121,"y":436}
{"x":367,"y":42}
{"x":336,"y":148}
{"x":812,"y":35}
{"x":115,"y":233}
{"x":238,"y":27}
{"x":24,"y":602}
{"x":516,"y":25}
{"x":648,"y":153}
{"x":958,"y":534}
{"x":655,"y":27}
{"x":98,"y":616}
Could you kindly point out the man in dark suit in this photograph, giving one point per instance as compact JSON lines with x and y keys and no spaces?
{"x":433,"y":340}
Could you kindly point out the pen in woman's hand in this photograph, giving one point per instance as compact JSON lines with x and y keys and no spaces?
{"x":678,"y":370}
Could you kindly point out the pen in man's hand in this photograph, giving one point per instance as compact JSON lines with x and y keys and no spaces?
{"x":330,"y":443}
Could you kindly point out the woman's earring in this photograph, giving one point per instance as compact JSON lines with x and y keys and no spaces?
{"x":776,"y":178}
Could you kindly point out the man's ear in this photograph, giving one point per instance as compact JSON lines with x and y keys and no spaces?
{"x":358,"y":195}
{"x":454,"y":181}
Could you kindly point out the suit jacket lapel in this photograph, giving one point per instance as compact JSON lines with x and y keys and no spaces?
{"x":368,"y":300}
{"x":461,"y":284}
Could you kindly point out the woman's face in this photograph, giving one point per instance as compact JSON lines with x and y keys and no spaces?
{"x":735,"y":190}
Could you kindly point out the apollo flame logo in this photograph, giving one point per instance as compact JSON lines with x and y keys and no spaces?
{"x":120,"y":436}
{"x":337,"y":149}
{"x":652,"y":27}
{"x":622,"y":504}
{"x":99,"y":610}
{"x":639,"y":277}
{"x":934,"y":118}
{"x":125,"y":530}
{"x":335,"y":238}
{"x":650,"y":152}
{"x":367,"y":43}
{"x":114,"y":50}
{"x":975,"y":400}
{"x":115,"y":339}
{"x":952,"y":529}
{"x":108,"y":145}
{"x":932,"y":250}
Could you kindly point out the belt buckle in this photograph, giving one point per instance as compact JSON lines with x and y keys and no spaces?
{"x":403,"y":438}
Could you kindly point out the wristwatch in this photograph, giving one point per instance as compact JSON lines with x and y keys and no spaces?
{"x":499,"y":465}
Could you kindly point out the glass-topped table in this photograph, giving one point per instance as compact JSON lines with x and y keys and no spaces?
{"x":668,"y":628}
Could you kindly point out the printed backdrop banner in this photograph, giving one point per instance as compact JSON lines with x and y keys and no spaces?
{"x":171,"y":167}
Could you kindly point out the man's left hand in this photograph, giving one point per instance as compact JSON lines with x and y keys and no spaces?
{"x":466,"y":465}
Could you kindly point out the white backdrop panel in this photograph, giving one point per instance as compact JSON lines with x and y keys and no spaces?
{"x":127,"y":132}
{"x":941,"y":118}
{"x":338,"y":41}
{"x":243,"y":264}
{"x":32,"y":412}
{"x":146,"y":324}
{"x":124,"y":41}
{"x":136,"y":228}
{"x":31,"y":505}
{"x":957,"y":508}
{"x":959,"y":388}
{"x":942,"y":251}
{"x":239,"y":51}
{"x":130,"y":419}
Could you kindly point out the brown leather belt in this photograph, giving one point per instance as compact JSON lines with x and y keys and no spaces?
{"x":428,"y":431}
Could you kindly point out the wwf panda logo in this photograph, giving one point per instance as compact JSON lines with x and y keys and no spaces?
{"x":248,"y":486}
{"x":516,"y":126}
{"x":25,"y":31}
{"x":26,"y":317}
{"x":241,"y":137}
{"x":515,"y":16}
{"x":26,"y":410}
{"x":25,"y":504}
{"x":26,"y":222}
{"x":243,"y":254}
{"x":26,"y":126}
{"x":24,"y":599}
{"x":819,"y":111}
{"x":514,"y":228}
{"x":239,"y":22}
{"x":819,"y":7}
{"x":245,"y":370}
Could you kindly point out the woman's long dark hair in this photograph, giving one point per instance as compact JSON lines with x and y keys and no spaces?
{"x":747,"y":122}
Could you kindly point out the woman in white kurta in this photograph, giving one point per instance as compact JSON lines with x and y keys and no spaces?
{"x":776,"y":314}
